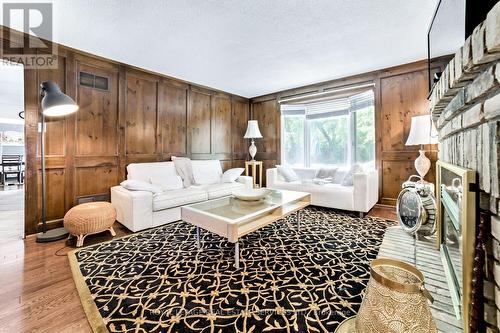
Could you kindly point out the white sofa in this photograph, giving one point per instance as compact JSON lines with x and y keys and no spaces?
{"x":138,"y":210}
{"x":360,"y":197}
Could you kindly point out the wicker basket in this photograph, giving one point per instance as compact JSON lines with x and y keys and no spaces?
{"x":90,"y":218}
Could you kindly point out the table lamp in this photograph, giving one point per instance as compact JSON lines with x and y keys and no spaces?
{"x":252,"y":132}
{"x":422,"y":132}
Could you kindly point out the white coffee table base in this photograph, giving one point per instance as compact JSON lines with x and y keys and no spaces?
{"x":233,"y":229}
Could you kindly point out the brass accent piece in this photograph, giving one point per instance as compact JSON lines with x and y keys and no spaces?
{"x":396,"y":300}
{"x":253,"y":166}
{"x":347,"y":326}
{"x":467,"y":216}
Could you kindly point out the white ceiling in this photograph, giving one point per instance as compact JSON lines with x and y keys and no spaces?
{"x":249,"y":47}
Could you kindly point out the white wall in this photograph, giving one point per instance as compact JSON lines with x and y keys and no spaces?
{"x":11,"y":91}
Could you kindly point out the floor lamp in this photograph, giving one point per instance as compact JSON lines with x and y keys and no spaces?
{"x":54,"y":104}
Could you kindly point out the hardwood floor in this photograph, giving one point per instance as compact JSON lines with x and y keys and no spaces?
{"x":37,"y":292}
{"x":11,"y":213}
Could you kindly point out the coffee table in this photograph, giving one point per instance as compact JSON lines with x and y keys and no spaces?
{"x":232,"y":218}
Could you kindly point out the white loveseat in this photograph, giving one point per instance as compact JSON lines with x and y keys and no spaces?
{"x":138,"y":210}
{"x":360,"y":197}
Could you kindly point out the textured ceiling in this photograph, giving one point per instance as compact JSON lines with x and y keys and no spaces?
{"x":250,"y":47}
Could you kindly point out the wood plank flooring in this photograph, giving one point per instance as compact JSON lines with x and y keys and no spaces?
{"x":11,"y":213}
{"x":37,"y":292}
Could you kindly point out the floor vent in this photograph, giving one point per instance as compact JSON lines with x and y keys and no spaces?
{"x":92,"y":198}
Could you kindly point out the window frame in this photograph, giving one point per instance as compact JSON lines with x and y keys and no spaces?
{"x":351,"y":135}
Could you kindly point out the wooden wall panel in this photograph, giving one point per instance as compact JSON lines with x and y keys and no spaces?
{"x":394,"y":174}
{"x":226,"y":165}
{"x":172,"y":109}
{"x":240,"y":114}
{"x":55,"y":128}
{"x":221,"y":125}
{"x":55,"y":193}
{"x":268,"y":147}
{"x":142,"y":118}
{"x":140,"y":115}
{"x":198,"y":119}
{"x":95,"y":180}
{"x":97,"y":119}
{"x":267,"y":114}
{"x":238,"y":164}
{"x":402,"y":96}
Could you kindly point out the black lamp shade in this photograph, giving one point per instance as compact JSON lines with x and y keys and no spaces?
{"x":55,"y":103}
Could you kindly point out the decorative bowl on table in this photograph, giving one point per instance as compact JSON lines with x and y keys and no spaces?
{"x":253,"y":194}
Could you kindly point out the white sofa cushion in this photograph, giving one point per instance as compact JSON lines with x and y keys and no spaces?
{"x":206,"y":172}
{"x":139,"y":185}
{"x":348,"y":179}
{"x":305,"y":174}
{"x":167,"y":184}
{"x":230,"y":176}
{"x":221,"y":190}
{"x":146,"y":171}
{"x":287,"y":173}
{"x":175,"y":198}
{"x":184,"y":169}
{"x":326,"y":172}
{"x":339,"y":176}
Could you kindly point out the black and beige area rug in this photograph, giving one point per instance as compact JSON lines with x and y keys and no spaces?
{"x":289,"y":281}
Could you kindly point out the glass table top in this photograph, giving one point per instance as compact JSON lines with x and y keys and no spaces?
{"x":230,"y":208}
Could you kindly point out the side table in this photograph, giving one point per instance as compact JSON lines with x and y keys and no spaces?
{"x":254,"y":165}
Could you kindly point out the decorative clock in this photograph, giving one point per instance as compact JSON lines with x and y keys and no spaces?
{"x":416,"y":207}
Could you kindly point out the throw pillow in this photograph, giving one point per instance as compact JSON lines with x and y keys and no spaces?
{"x":184,"y":169}
{"x":206,"y":172}
{"x":326,"y":172}
{"x":167,"y":184}
{"x":339,"y":176}
{"x":230,"y":176}
{"x":287,"y":173}
{"x":348,"y":179}
{"x":139,"y":185}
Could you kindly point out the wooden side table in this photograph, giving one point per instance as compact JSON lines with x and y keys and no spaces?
{"x":253,"y":165}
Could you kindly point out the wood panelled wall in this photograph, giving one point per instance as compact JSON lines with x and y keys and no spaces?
{"x":400,"y":93}
{"x":142,"y":117}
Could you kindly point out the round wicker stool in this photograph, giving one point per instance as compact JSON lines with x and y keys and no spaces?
{"x":89,"y":218}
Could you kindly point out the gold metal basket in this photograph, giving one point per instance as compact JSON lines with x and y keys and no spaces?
{"x":396,"y":301}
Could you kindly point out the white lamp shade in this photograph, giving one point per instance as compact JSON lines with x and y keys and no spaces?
{"x":422,"y":131}
{"x":253,"y":131}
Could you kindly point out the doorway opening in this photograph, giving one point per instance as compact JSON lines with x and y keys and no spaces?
{"x":12,"y":152}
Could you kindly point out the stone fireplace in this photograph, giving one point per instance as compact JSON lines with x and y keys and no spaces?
{"x":465,"y":106}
